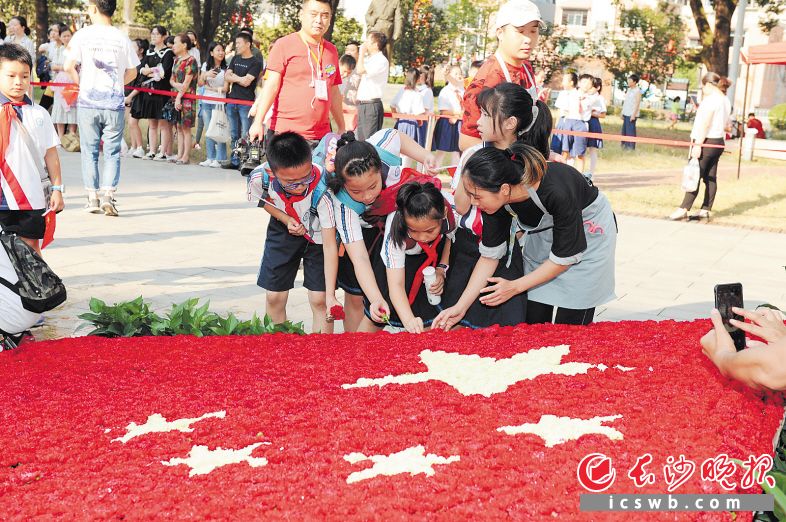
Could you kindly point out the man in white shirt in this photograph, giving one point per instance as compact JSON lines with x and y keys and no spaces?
{"x":373,"y":68}
{"x":630,"y":111}
{"x":108,"y":62}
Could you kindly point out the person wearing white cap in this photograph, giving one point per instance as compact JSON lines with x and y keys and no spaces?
{"x":517,"y":24}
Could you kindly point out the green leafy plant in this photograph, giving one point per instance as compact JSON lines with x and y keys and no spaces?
{"x":135,"y":319}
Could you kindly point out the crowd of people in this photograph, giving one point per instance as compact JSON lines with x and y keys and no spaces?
{"x":521,"y":236}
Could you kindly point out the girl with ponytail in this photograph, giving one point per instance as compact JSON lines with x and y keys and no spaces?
{"x":367,"y":176}
{"x":569,"y":237}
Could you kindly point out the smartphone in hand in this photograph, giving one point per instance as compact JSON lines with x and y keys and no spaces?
{"x":728,"y":296}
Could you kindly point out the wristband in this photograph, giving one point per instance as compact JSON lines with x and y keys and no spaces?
{"x":59,"y":188}
{"x":444,"y":267}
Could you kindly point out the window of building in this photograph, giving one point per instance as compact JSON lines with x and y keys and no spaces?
{"x":574,"y":17}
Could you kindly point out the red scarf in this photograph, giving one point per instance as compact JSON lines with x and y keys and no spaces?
{"x":7,"y":116}
{"x":290,"y":199}
{"x":430,"y":249}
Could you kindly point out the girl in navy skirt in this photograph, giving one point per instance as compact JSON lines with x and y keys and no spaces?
{"x":417,"y":237}
{"x":598,"y":105}
{"x":446,"y":132}
{"x":409,"y":101}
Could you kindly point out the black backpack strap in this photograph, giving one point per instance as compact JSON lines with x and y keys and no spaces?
{"x":11,"y":286}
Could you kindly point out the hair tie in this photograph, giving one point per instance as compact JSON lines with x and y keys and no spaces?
{"x":535,"y":113}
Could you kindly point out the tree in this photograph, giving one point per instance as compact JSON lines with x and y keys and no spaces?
{"x":467,"y":21}
{"x":715,"y":39}
{"x":345,"y":30}
{"x":220,"y":19}
{"x":290,"y":14}
{"x":650,"y":46}
{"x":552,"y":53}
{"x":422,"y":39}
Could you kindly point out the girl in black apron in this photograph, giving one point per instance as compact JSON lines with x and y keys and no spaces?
{"x":568,"y":243}
{"x":156,"y":69}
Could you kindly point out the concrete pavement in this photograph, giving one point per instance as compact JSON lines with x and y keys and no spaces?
{"x":188,"y":231}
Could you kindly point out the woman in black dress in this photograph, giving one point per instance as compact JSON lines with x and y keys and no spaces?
{"x":156,"y":69}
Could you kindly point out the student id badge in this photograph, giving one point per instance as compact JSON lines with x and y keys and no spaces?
{"x":320,"y":89}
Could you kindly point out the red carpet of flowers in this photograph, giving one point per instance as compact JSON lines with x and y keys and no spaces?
{"x":63,"y":402}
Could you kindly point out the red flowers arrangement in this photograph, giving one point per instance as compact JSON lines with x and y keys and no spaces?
{"x":337,"y":312}
{"x":65,"y":402}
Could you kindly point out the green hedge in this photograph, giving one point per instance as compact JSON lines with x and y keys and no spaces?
{"x":778,"y":116}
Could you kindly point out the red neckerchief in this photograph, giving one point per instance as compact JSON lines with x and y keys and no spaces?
{"x":290,"y":199}
{"x":430,"y":249}
{"x":7,"y":116}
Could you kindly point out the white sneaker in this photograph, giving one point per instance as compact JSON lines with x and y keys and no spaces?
{"x":205,"y":163}
{"x":159,"y":157}
{"x":139,"y":152}
{"x":703,"y":214}
{"x":172,"y":158}
{"x":215,"y":164}
{"x":678,"y":214}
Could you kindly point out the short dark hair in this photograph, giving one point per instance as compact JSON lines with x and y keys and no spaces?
{"x":11,"y":52}
{"x":2,"y":30}
{"x":380,"y":39}
{"x":183,"y":37}
{"x":587,"y":76}
{"x":477,"y":64}
{"x":61,"y":28}
{"x":246,"y":29}
{"x":245,"y":36}
{"x":170,"y":40}
{"x":326,"y":2}
{"x":105,"y":7}
{"x":161,"y":30}
{"x":353,"y":42}
{"x":751,"y":114}
{"x":417,"y":200}
{"x":349,"y":61}
{"x":287,"y":150}
{"x":634,"y":77}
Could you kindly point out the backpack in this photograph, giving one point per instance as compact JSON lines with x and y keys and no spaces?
{"x":259,"y":188}
{"x":39,"y":288}
{"x":43,"y":69}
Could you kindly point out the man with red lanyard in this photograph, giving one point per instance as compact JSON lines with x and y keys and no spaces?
{"x":303,"y":80}
{"x":517,"y":24}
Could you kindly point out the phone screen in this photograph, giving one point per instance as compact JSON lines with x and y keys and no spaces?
{"x":726,"y":297}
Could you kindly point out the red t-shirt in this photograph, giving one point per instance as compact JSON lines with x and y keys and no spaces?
{"x":755,"y":123}
{"x":490,"y":74}
{"x":293,"y":108}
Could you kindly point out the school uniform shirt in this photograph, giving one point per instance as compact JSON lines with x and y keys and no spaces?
{"x":105,"y":53}
{"x":14,"y":318}
{"x":296,"y":107}
{"x":717,"y":109}
{"x":395,"y":255}
{"x":373,"y":81}
{"x":302,"y":209}
{"x":19,"y":163}
{"x":631,"y":97}
{"x":450,"y":99}
{"x":597,"y":104}
{"x":578,"y":106}
{"x":428,"y":97}
{"x":564,"y":196}
{"x":489,"y":75}
{"x":408,"y":101}
{"x":349,"y":224}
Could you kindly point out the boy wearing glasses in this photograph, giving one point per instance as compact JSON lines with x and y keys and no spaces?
{"x":295,"y":233}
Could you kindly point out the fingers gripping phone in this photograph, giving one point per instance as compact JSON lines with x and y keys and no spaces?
{"x":726,"y":297}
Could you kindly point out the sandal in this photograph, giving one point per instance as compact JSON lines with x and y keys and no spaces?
{"x":181,"y":162}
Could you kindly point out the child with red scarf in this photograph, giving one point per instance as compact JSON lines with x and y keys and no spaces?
{"x":294,"y":192}
{"x":28,"y":146}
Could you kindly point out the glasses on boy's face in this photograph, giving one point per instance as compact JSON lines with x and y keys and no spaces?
{"x":305,"y":182}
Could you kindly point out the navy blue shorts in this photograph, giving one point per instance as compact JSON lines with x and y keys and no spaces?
{"x":281,"y":261}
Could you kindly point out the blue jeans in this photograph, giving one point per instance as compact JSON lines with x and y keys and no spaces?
{"x":628,"y":129}
{"x":239,"y":123}
{"x":96,"y":125}
{"x":215,"y":150}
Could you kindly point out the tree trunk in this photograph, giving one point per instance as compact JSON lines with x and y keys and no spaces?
{"x":714,"y":40}
{"x":334,"y":7}
{"x":41,"y":22}
{"x":206,"y":22}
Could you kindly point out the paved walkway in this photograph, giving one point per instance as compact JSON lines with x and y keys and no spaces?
{"x":188,"y":231}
